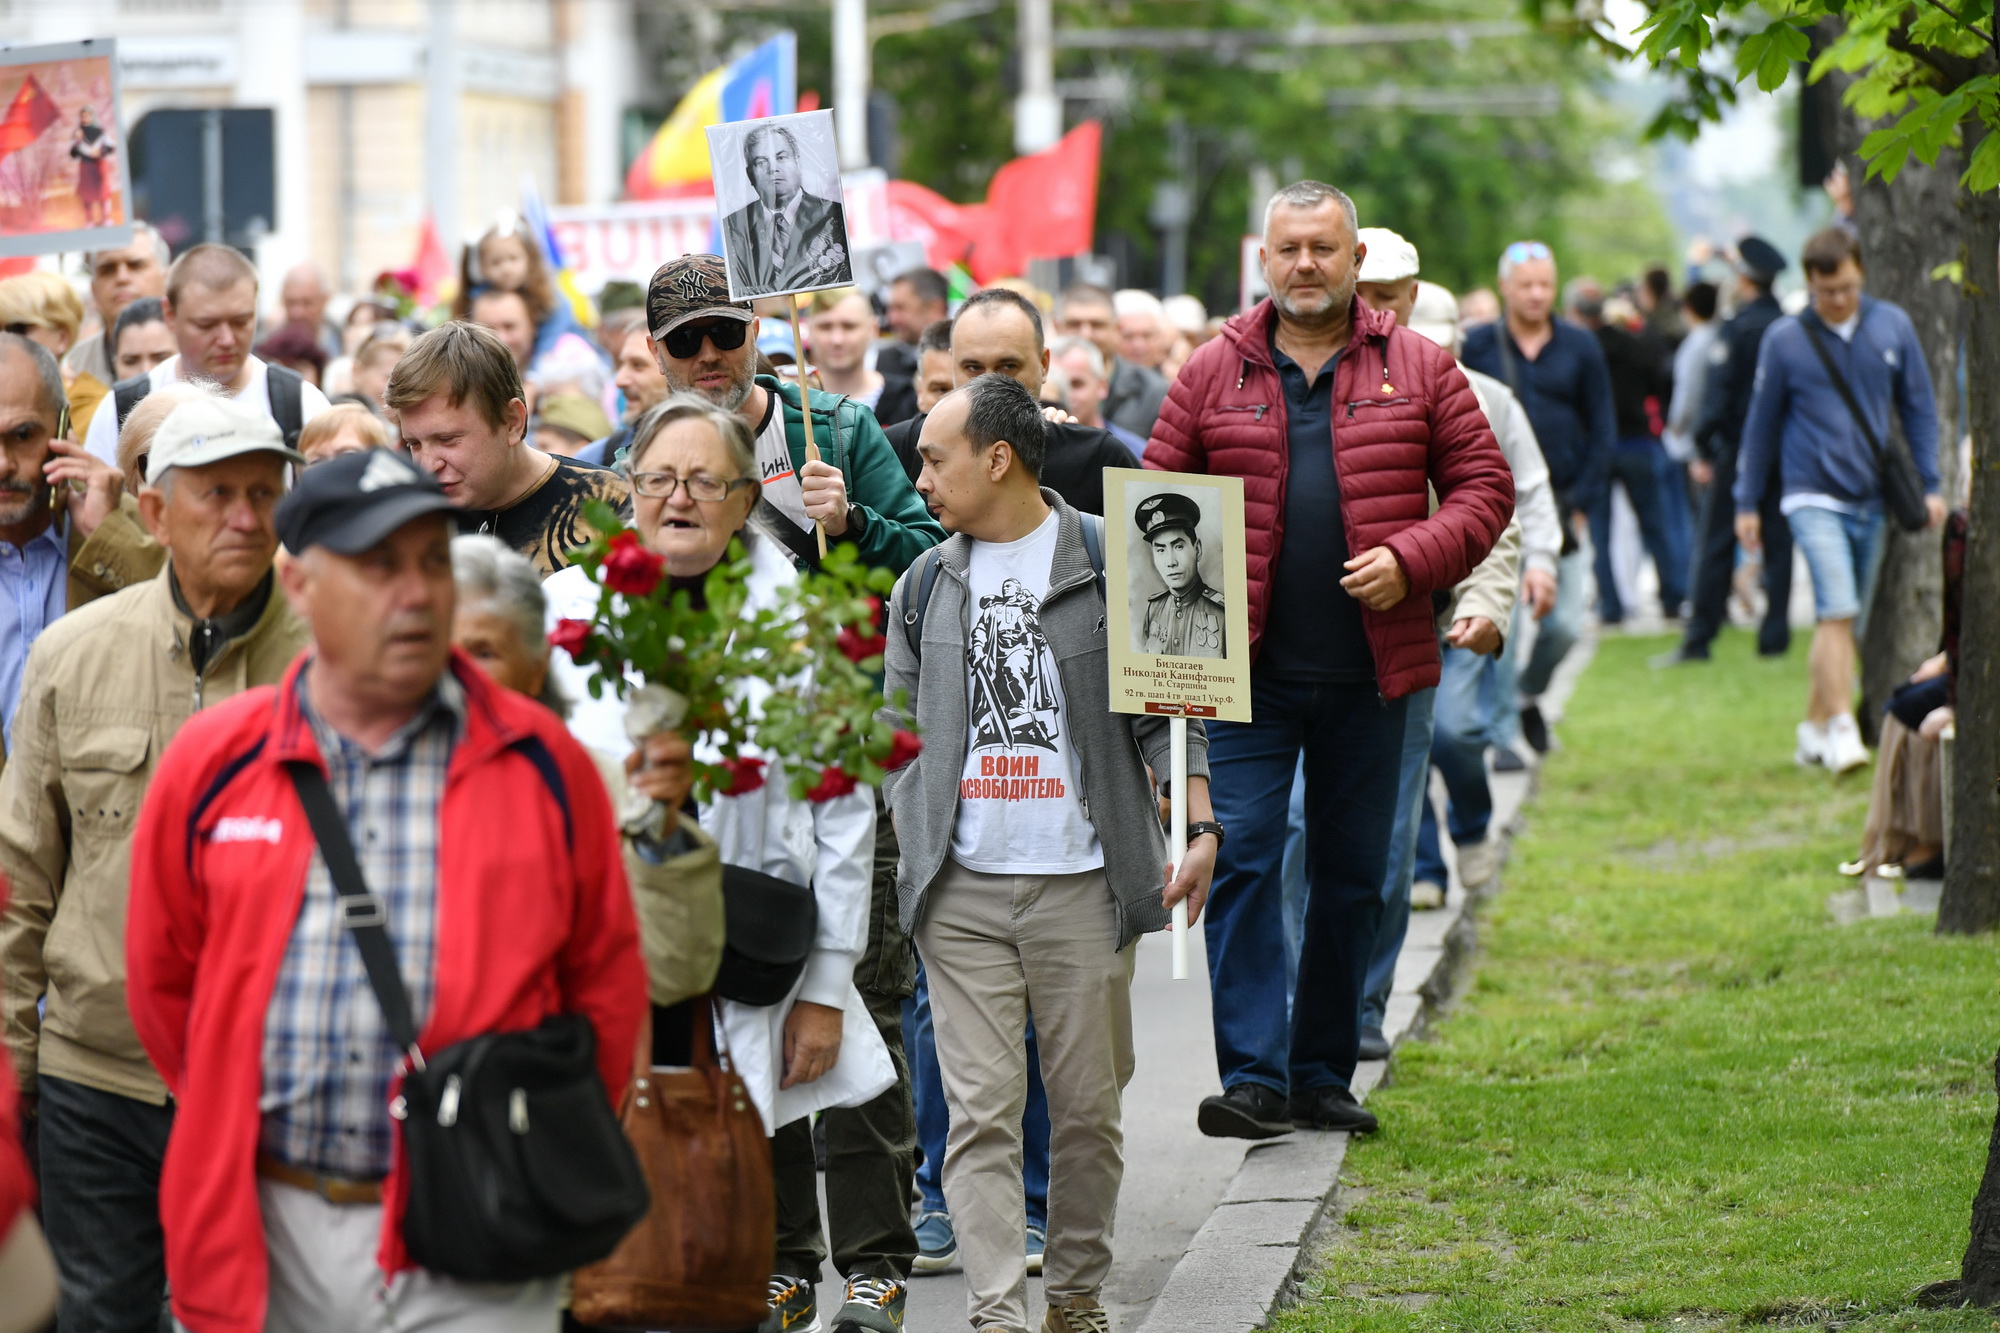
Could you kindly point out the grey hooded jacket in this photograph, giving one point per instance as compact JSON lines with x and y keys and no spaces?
{"x":1114,"y":749}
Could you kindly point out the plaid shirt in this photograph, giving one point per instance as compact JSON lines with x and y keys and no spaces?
{"x":328,"y":1055}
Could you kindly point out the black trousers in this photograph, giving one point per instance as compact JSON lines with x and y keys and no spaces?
{"x":1715,"y":563}
{"x":100,"y":1176}
{"x":871,"y":1148}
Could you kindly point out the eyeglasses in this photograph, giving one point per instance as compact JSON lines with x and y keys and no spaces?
{"x":1521,"y":252}
{"x":726,"y":334}
{"x":700,"y":486}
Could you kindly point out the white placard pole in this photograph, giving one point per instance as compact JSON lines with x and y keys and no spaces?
{"x":1178,"y":822}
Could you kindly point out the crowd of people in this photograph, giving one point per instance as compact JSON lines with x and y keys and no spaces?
{"x":256,"y":552}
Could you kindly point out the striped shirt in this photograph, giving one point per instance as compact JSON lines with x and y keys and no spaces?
{"x":328,"y":1056}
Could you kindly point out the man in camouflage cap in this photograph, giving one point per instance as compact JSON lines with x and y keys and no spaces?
{"x":1187,"y":619}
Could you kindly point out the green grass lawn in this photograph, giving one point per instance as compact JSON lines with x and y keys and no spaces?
{"x":1676,"y":1095}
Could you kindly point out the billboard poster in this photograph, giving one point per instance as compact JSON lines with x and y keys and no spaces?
{"x":65,"y":179}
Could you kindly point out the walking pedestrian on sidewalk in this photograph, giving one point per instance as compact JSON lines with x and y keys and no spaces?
{"x":1828,"y":379}
{"x":107,"y":688}
{"x":484,"y":831}
{"x":1718,"y":432}
{"x":1323,"y":404}
{"x":1557,"y":372}
{"x":1032,"y":848}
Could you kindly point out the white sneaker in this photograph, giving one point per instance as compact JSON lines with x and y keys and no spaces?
{"x":1844,"y":750}
{"x":1426,"y":896}
{"x":1479,"y":862}
{"x":1812,"y":745}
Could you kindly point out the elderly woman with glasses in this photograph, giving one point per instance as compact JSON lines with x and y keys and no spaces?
{"x":693,"y":473}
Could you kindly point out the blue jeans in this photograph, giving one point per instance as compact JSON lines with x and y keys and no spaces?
{"x":1466,"y":703}
{"x":1430,"y":865}
{"x":1636,"y":465}
{"x":100,"y":1174}
{"x":1843,"y":552}
{"x":1678,"y":512}
{"x":1294,"y":871}
{"x":1411,"y":780}
{"x":1558,"y":634}
{"x":934,"y":1117}
{"x":1352,"y":740}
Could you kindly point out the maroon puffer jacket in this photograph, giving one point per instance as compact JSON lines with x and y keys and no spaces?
{"x":1403,"y":415}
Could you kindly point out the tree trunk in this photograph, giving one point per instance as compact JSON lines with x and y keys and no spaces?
{"x":1971,"y":899}
{"x":1907,"y":231}
{"x":1979,"y":1272}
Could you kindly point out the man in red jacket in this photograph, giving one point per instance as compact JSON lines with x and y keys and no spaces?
{"x":486,"y":834}
{"x":1335,"y":419}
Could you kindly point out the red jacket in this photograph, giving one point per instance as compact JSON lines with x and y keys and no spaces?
{"x":533,"y":918}
{"x":1403,"y":415}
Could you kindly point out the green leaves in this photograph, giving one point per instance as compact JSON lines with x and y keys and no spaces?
{"x":1771,"y":54}
{"x":1983,"y":171}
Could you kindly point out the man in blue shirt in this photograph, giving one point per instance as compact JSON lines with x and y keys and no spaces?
{"x":1831,"y":480}
{"x":1557,"y":371}
{"x":34,"y":552}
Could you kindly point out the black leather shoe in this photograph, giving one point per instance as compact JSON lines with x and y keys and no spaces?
{"x":1374,"y":1046}
{"x":1246,"y":1111}
{"x":1534,"y":730}
{"x":1332,"y":1109}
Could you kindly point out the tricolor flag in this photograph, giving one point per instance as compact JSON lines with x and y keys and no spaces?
{"x":675,"y":164}
{"x":536,"y":214}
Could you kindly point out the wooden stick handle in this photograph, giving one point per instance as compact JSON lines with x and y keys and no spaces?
{"x":805,"y":411}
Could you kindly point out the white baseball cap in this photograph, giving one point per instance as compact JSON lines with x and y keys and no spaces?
{"x":209,"y":430}
{"x":1390,"y":258}
{"x":1435,"y":315}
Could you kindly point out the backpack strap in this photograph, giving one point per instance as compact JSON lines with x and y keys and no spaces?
{"x":915,"y":606}
{"x":286,"y":389}
{"x":1093,"y":546}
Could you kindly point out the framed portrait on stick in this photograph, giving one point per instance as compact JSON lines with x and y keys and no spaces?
{"x":64,"y":180}
{"x":778,"y":194}
{"x":1177,"y":616}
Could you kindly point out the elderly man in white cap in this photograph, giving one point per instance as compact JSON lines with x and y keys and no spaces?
{"x":107,"y":686}
{"x":1480,"y":620}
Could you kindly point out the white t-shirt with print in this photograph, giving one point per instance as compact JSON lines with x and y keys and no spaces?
{"x":774,"y":467}
{"x":1018,"y":806}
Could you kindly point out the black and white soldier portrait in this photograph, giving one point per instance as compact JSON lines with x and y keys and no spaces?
{"x":777,"y":188}
{"x":1186,"y":618}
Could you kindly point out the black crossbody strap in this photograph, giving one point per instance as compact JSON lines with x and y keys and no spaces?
{"x":360,"y":910}
{"x":1815,"y":334}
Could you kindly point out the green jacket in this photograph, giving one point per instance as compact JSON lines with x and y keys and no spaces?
{"x":896,"y":527}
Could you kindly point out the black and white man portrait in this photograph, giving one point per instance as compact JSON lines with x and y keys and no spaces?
{"x":1186,"y":620}
{"x":786,"y":238}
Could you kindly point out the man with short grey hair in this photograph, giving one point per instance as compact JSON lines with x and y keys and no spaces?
{"x":117,"y":279}
{"x":1079,"y":363}
{"x":1134,"y":393}
{"x":107,"y":688}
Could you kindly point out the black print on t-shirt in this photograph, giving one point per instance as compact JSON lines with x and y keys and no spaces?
{"x":1013,"y":691}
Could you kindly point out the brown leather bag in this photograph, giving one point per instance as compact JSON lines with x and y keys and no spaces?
{"x":700,"y":1258}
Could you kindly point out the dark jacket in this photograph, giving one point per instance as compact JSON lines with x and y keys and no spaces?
{"x":1798,"y":415}
{"x":1641,"y":370}
{"x":1410,"y":421}
{"x":1568,"y":396}
{"x":1733,"y":376}
{"x":1113,"y":749}
{"x":1133,"y":395}
{"x":895,"y":524}
{"x":1073,"y":469}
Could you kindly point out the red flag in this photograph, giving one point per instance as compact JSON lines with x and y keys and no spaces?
{"x":31,"y":112}
{"x":431,"y":266}
{"x":947,"y":230}
{"x":1040,"y":207}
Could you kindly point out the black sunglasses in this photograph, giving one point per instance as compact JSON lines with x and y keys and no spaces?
{"x":726,"y":334}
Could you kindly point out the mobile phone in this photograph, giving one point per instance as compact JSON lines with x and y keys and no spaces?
{"x":62,"y":433}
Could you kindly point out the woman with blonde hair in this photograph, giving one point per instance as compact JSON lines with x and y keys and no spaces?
{"x":42,"y":306}
{"x":344,"y":428}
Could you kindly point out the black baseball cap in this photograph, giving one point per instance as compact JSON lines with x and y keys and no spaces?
{"x":351,"y":502}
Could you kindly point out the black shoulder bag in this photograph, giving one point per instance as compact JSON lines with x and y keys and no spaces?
{"x":517,"y":1168}
{"x":1902,"y":488}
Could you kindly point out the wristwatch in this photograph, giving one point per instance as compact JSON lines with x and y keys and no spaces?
{"x":1195,"y":830}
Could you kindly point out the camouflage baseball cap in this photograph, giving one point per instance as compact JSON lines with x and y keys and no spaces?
{"x":691,"y":287}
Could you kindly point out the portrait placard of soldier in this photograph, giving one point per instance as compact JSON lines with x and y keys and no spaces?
{"x":777,"y":191}
{"x":1178,"y":626}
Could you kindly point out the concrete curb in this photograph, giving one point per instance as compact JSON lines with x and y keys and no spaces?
{"x":1246,"y":1261}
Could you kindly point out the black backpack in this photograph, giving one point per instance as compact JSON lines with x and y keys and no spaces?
{"x":284,"y":386}
{"x":915,"y":607}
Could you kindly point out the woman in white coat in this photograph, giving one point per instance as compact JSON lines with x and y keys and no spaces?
{"x":694,"y":485}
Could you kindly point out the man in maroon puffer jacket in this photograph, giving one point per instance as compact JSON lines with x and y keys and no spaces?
{"x":1335,"y":419}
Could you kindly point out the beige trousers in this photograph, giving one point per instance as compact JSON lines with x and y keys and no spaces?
{"x":996,"y":947}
